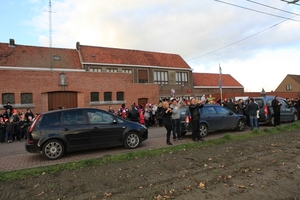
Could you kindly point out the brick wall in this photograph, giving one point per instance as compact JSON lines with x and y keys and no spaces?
{"x":39,"y":83}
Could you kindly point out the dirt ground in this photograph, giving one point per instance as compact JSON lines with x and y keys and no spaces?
{"x":260,"y":168}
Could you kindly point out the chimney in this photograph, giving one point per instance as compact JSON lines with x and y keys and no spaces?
{"x":11,"y":42}
{"x":77,"y":46}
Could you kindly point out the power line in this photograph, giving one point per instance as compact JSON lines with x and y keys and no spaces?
{"x":242,"y":39}
{"x":273,"y":7}
{"x":292,"y":2}
{"x":256,"y":10}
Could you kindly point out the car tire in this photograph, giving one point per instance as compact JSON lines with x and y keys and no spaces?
{"x":203,"y":130}
{"x":132,"y":140}
{"x":53,"y":149}
{"x":295,"y":117}
{"x":183,"y":133}
{"x":241,"y":125}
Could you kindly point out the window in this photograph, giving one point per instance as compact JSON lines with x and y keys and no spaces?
{"x":111,"y":70}
{"x":51,"y":119}
{"x":288,"y":87}
{"x":8,"y":97}
{"x":120,"y":96}
{"x":127,"y":71}
{"x":95,"y":70}
{"x":73,"y":117}
{"x":222,"y":110}
{"x":56,"y":58}
{"x":143,"y":76}
{"x":160,"y":77}
{"x":209,"y":110}
{"x":181,"y":78}
{"x":107,"y":96}
{"x":94,"y":96}
{"x":99,"y":117}
{"x":26,"y":98}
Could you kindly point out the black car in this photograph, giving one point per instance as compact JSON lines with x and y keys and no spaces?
{"x":213,"y":118}
{"x":55,"y":132}
{"x":266,"y":114}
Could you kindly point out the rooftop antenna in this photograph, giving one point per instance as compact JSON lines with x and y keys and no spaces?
{"x":50,"y":33}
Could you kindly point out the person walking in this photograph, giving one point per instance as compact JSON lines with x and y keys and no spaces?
{"x":176,"y":120}
{"x":195,"y":118}
{"x":276,"y":108}
{"x":167,"y":120}
{"x":251,"y":111}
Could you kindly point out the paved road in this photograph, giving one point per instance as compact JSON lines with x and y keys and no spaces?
{"x":13,"y":156}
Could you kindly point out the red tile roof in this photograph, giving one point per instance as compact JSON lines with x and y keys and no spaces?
{"x":91,"y":54}
{"x":208,"y":79}
{"x":33,"y":56}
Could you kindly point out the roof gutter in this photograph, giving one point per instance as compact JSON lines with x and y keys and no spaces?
{"x":136,"y":66}
{"x":40,"y":69}
{"x":209,"y":87}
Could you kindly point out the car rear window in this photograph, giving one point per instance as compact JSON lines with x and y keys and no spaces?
{"x":260,"y":102}
{"x":51,"y":119}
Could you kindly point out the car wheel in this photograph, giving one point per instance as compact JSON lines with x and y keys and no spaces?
{"x":132,"y":140}
{"x":53,"y":149}
{"x":295,"y":117}
{"x":203,"y":130}
{"x":241,"y":125}
{"x":183,"y":133}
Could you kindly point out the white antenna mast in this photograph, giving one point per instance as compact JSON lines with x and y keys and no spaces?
{"x":50,"y":33}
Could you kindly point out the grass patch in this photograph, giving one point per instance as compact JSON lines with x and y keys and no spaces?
{"x":35,"y":172}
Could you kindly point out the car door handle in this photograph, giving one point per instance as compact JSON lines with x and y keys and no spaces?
{"x":66,"y":129}
{"x":96,"y":128}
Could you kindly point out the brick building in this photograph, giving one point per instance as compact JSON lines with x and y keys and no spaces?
{"x":41,"y":78}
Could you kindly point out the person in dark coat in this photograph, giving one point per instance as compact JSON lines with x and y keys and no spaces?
{"x":241,"y":107}
{"x":2,"y":129}
{"x":195,"y":115}
{"x":167,"y":120}
{"x":230,"y":105}
{"x":133,"y":115}
{"x":29,"y":114}
{"x":276,"y":108}
{"x":251,"y":111}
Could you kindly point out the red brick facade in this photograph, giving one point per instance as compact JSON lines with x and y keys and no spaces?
{"x":40,"y":83}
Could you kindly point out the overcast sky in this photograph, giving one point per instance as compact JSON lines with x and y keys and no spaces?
{"x":258,"y":47}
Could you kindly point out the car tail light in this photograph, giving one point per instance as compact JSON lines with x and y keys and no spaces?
{"x":33,"y":124}
{"x":266,"y":110}
{"x":187,"y":119}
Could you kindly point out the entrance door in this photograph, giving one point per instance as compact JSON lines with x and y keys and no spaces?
{"x":58,"y":100}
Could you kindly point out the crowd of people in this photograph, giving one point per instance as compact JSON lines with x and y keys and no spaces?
{"x":166,"y":113}
{"x":14,"y":124}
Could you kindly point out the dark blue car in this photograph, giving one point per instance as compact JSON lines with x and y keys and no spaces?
{"x":213,"y":118}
